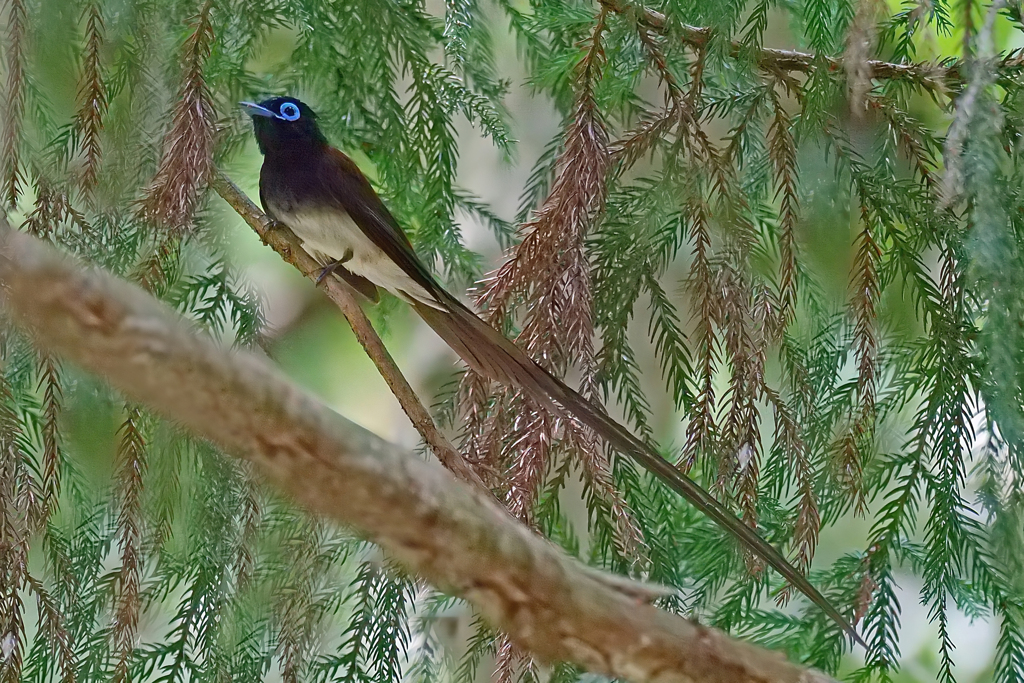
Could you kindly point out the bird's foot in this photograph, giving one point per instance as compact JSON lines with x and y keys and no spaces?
{"x":328,"y":270}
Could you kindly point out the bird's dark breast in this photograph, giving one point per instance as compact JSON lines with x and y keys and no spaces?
{"x":316,"y":203}
{"x":288,"y":186}
{"x":293,"y":190}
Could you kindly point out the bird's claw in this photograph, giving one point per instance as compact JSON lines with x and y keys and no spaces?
{"x":327,"y":270}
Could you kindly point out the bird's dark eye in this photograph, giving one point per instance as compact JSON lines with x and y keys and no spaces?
{"x":289,"y":112}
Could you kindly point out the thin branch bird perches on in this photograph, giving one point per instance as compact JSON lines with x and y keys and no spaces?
{"x":282,"y":240}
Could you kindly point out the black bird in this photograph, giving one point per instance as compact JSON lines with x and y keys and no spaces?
{"x":328,"y":203}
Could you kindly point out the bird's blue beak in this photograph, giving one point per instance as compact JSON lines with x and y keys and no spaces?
{"x":253,"y":109}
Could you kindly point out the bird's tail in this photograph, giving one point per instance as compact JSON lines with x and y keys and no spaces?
{"x":491,"y":354}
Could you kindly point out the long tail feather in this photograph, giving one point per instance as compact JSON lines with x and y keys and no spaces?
{"x":488,"y":352}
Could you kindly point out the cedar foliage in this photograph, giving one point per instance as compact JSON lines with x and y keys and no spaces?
{"x":681,"y":212}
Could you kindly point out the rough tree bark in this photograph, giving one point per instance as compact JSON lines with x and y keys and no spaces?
{"x":448,"y":532}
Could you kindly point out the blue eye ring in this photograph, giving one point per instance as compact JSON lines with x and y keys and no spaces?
{"x":289,"y":111}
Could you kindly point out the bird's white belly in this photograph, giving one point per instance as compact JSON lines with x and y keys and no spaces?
{"x":334,"y":236}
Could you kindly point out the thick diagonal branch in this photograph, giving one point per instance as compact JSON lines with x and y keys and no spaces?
{"x":284,"y":242}
{"x":453,"y":535}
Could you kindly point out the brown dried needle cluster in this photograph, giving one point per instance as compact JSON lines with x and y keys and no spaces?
{"x":734,"y":323}
{"x":16,"y":500}
{"x":51,"y":210}
{"x":14,"y":103}
{"x":92,"y":98}
{"x":173,"y":197}
{"x":131,"y":466}
{"x":549,"y":270}
{"x":866,"y":289}
{"x":50,"y":384}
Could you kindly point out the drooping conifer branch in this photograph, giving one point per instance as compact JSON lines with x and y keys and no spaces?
{"x":782,"y":152}
{"x":14,"y":102}
{"x":794,"y":449}
{"x":451,"y":534}
{"x":511,"y":663}
{"x":92,"y":97}
{"x":52,"y":397}
{"x":701,"y":429}
{"x":251,"y":522}
{"x":864,"y":307}
{"x":971,"y":104}
{"x":53,"y":624}
{"x":15,"y":502}
{"x":294,"y":611}
{"x":131,"y":467}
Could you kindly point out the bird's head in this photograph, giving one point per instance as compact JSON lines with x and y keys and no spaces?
{"x":283,"y":122}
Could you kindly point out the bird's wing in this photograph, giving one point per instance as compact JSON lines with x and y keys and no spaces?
{"x":358,"y":283}
{"x":353,"y":193}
